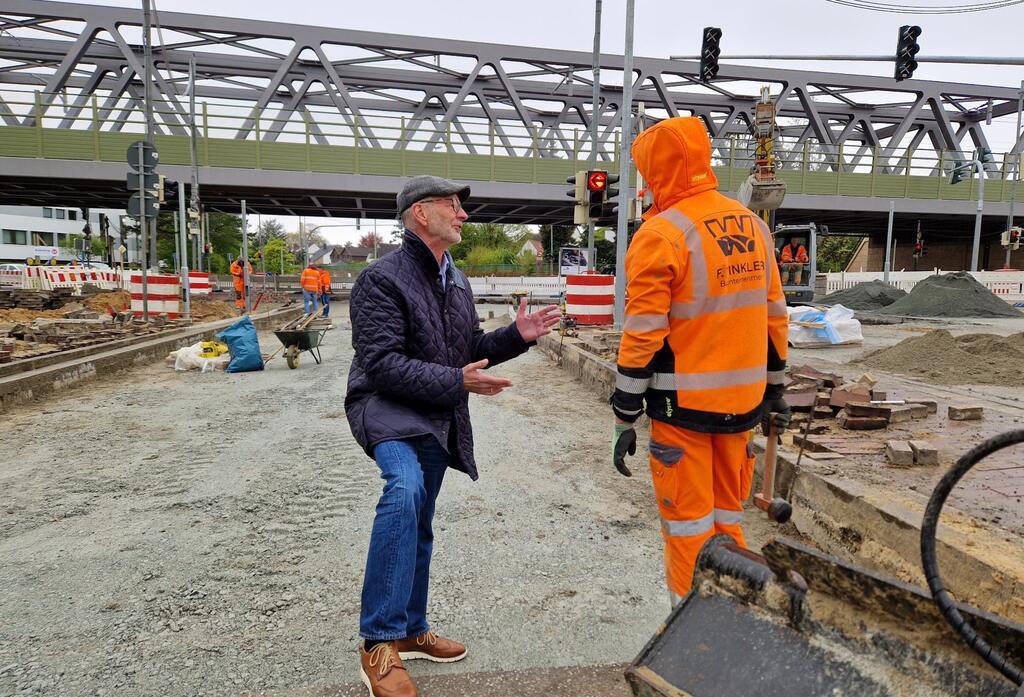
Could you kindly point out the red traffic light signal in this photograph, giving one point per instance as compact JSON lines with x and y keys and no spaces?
{"x":597,"y":180}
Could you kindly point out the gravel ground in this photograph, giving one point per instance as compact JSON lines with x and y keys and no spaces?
{"x":189,"y":534}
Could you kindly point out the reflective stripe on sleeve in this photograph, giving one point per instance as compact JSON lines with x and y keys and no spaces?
{"x":726,"y":517}
{"x":718,"y":303}
{"x":631,"y":385}
{"x":644,"y":323}
{"x":777,"y":308}
{"x":688,"y":528}
{"x":776,"y":377}
{"x":708,"y":381}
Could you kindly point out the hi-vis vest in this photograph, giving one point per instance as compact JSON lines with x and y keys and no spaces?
{"x":705,"y":328}
{"x":310,"y":279}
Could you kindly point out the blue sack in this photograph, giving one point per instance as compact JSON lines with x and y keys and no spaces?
{"x":243,"y":345}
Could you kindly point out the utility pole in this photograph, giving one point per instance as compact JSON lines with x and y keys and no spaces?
{"x":194,"y":199}
{"x":888,"y":243}
{"x":1016,"y":172}
{"x":595,"y":115}
{"x":625,"y":164}
{"x":147,"y":56}
{"x":977,"y":215}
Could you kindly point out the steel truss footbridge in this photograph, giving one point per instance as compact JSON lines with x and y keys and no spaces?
{"x":302,"y":120}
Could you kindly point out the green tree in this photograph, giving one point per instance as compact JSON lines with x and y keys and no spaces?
{"x":270,"y":229}
{"x":554,"y":236}
{"x":835,"y":252}
{"x":276,"y":249}
{"x":490,"y":236}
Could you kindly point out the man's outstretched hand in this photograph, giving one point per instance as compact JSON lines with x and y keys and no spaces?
{"x":536,"y":324}
{"x":474,"y":379}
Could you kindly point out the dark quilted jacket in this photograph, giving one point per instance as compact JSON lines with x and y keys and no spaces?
{"x":411,"y":341}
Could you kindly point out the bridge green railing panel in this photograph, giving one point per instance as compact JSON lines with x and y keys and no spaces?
{"x":489,"y":164}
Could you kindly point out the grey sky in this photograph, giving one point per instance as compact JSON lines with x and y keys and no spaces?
{"x":665,"y":28}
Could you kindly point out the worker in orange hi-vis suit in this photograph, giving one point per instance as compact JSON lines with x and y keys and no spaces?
{"x":703,"y":344}
{"x":792,"y":260}
{"x":311,"y":285}
{"x":238,"y":272}
{"x":325,"y":290}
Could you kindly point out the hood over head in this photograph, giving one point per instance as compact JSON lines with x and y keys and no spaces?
{"x":674,"y":158}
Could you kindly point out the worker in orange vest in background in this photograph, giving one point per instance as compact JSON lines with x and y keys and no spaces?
{"x":703,"y":348}
{"x":793,"y":258}
{"x":238,"y":268}
{"x":310,"y":282}
{"x":325,"y":290}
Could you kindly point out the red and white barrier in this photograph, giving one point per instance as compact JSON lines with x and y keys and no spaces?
{"x":164,"y":294}
{"x":70,"y":277}
{"x":11,"y":279}
{"x":199,"y":283}
{"x":590,"y":298}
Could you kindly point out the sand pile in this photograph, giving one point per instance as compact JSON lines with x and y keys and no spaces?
{"x":865,"y":296}
{"x":951,"y":295}
{"x":118,"y":299}
{"x":206,"y":310}
{"x":971,"y":359}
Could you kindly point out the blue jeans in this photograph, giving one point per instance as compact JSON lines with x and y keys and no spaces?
{"x":326,"y":300}
{"x":309,"y":300}
{"x":394,"y":599}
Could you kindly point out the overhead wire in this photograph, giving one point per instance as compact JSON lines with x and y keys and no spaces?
{"x":904,"y":8}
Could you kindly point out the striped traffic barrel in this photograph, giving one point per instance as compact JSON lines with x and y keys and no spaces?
{"x":590,"y":298}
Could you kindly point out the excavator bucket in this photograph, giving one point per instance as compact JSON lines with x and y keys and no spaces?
{"x":761,"y":195}
{"x":801,"y":623}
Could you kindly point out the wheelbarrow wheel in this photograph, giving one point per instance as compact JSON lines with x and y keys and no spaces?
{"x":291,"y":355}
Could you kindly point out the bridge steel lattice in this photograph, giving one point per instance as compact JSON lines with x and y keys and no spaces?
{"x":76,"y":67}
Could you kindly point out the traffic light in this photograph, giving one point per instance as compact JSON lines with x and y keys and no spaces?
{"x":984,"y":155}
{"x":578,"y":194}
{"x":961,"y":172}
{"x":1011,"y":238}
{"x":709,"y":52}
{"x":612,"y":191}
{"x":167,"y":189}
{"x":142,"y":179}
{"x":193,"y":221}
{"x":597,"y":192}
{"x":906,"y":49}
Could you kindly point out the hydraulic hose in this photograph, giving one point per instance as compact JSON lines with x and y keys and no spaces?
{"x":945,"y":602}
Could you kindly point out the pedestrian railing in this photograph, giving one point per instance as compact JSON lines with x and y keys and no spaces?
{"x":87,"y":127}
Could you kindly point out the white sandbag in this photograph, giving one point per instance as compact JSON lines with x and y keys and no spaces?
{"x":191,"y":357}
{"x":834,"y":327}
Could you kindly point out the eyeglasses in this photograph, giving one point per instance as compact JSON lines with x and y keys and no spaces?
{"x":456,"y":204}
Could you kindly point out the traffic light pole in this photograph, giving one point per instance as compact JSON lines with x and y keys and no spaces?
{"x":625,"y":164}
{"x":1016,"y":174}
{"x":183,"y":258}
{"x":595,"y":115}
{"x":245,"y":259}
{"x":980,"y":168}
{"x":142,"y":233}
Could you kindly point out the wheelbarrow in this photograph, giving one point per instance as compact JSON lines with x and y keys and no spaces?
{"x":295,"y":341}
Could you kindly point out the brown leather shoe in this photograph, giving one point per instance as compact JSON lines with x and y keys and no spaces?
{"x":382,"y":672}
{"x":431,"y":647}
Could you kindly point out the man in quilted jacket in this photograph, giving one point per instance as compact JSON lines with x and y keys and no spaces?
{"x":419,"y":352}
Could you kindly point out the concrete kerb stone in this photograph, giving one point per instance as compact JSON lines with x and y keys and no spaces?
{"x":848,"y":518}
{"x":37,"y":383}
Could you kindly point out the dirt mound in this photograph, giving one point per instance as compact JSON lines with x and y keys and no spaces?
{"x":118,"y":299}
{"x":865,"y":296}
{"x":951,"y":295}
{"x":206,"y":310}
{"x":19,"y":315}
{"x":972,"y":359}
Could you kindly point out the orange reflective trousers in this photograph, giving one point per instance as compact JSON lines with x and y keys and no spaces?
{"x":700,"y":481}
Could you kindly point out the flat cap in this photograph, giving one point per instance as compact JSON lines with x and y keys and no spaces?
{"x":426,"y":186}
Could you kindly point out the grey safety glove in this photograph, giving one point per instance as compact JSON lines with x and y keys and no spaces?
{"x":775,"y":409}
{"x":623,"y":443}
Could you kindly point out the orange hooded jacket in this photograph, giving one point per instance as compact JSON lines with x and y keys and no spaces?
{"x":705,"y":331}
{"x":238,"y":272}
